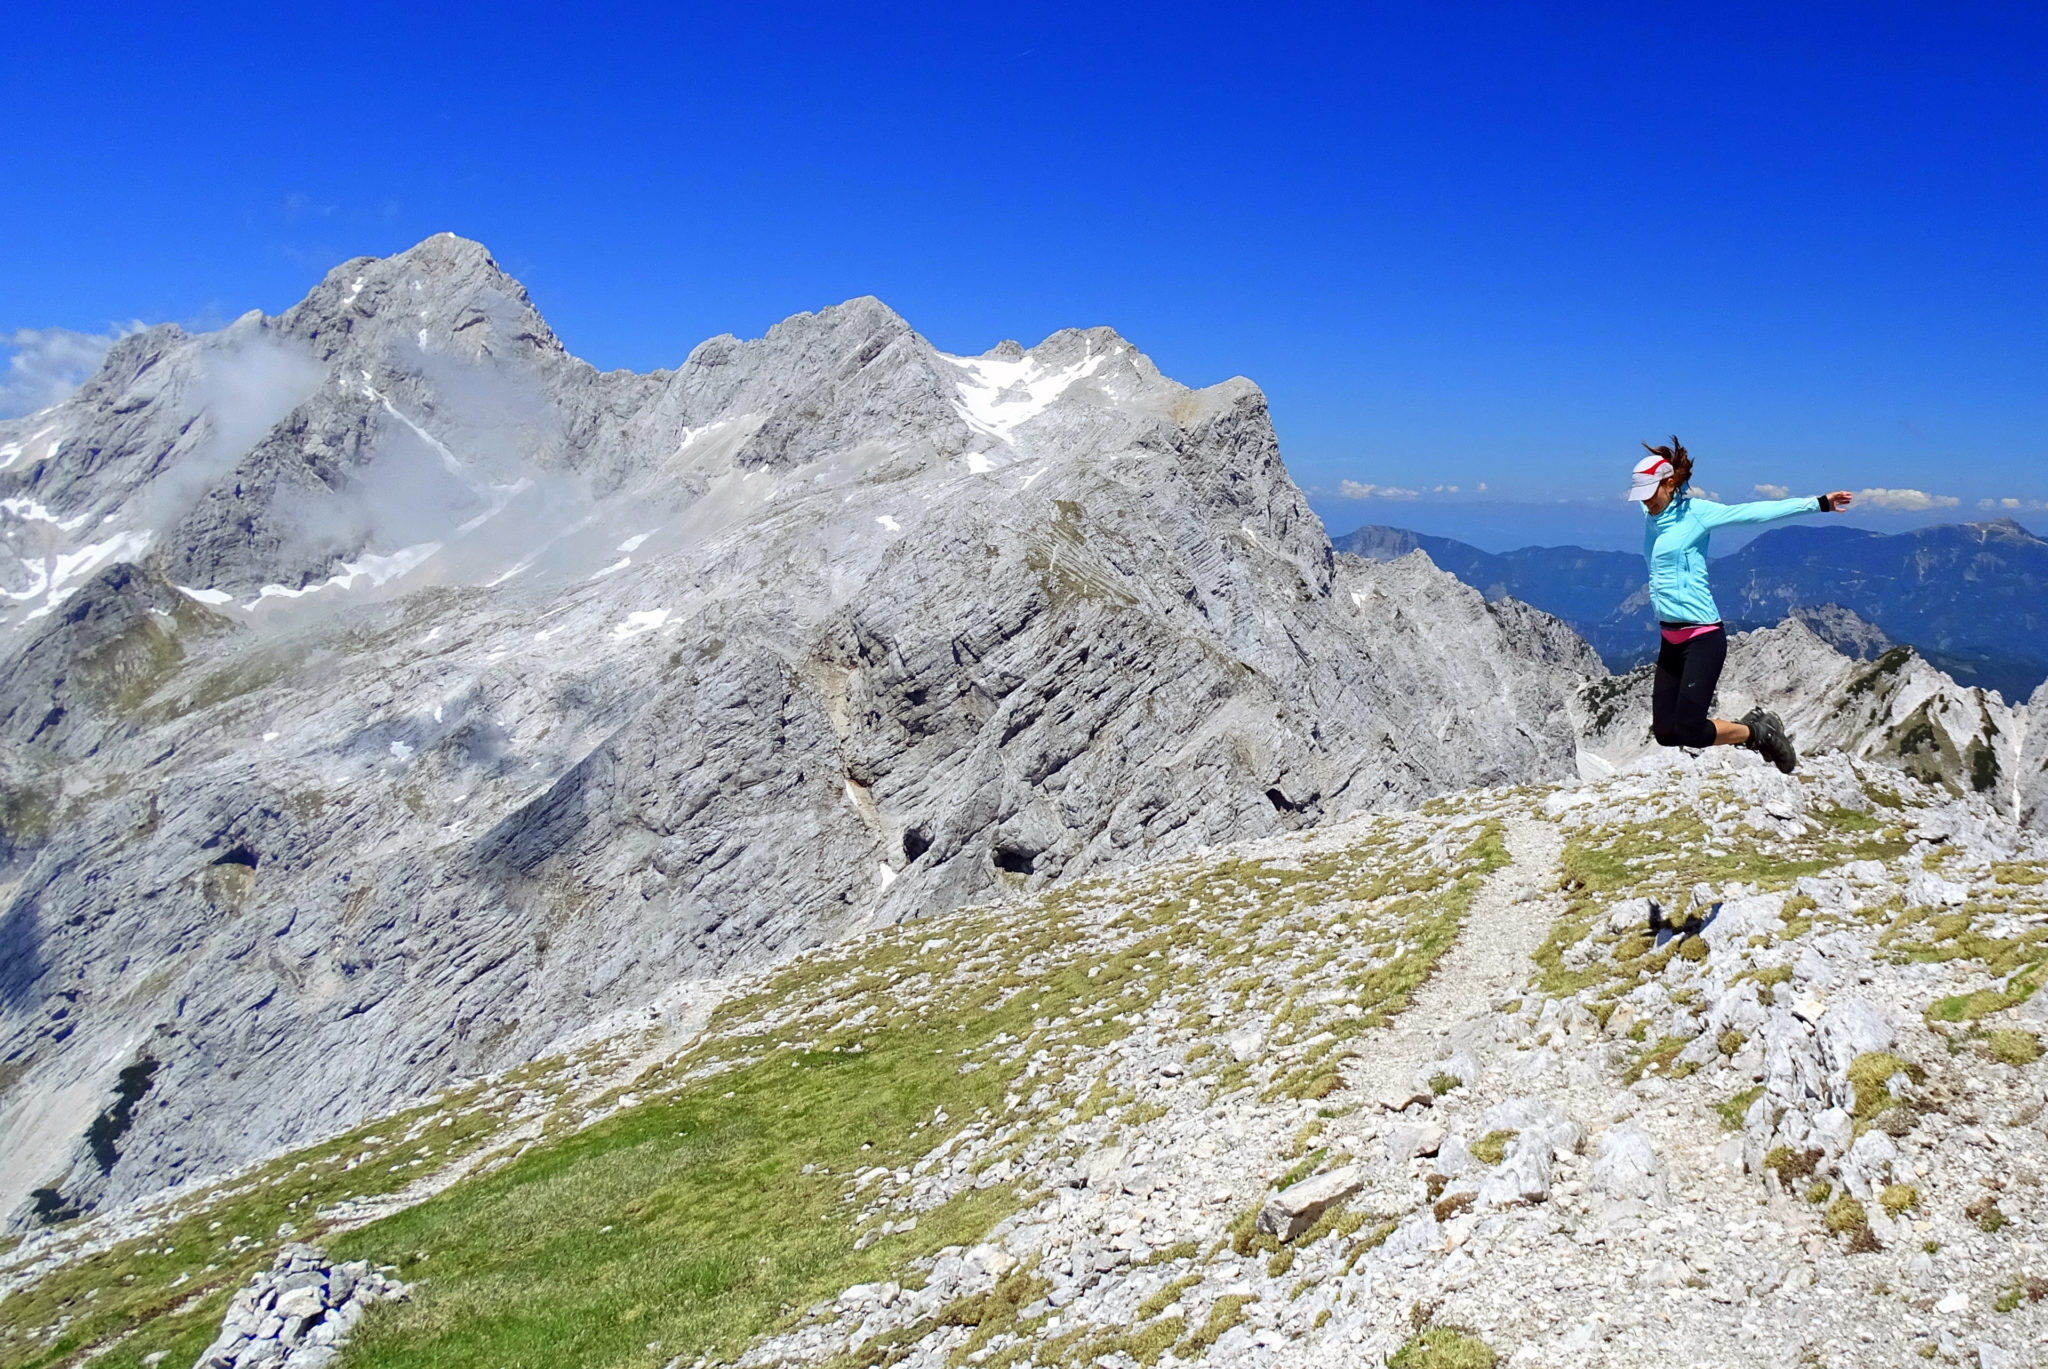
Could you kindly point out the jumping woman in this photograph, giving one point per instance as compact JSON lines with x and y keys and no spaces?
{"x":1695,"y":644}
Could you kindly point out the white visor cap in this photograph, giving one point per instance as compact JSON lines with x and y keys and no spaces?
{"x":1648,"y":474}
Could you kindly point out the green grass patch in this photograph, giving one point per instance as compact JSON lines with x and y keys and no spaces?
{"x":1443,"y":1347}
{"x":1735,"y":1109}
{"x":2012,"y":1046}
{"x":1492,"y":1148}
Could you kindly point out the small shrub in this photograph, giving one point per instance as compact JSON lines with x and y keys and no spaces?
{"x":1183,"y":1250}
{"x":1819,"y":1192}
{"x":1870,"y":1075}
{"x":1441,"y":1084}
{"x":1844,"y":1215}
{"x":1792,"y":1165}
{"x":1167,"y":1296}
{"x":1492,"y":1148}
{"x":2012,"y":1046}
{"x":1452,"y":1206}
{"x":1227,"y":1312}
{"x":1731,"y":1041}
{"x":1736,"y":1108}
{"x":1897,"y":1199}
{"x":1693,"y":949}
{"x":1984,"y":1212}
{"x":1444,"y":1347}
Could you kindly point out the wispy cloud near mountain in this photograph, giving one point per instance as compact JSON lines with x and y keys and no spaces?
{"x":1353,"y":489}
{"x":1907,"y":501}
{"x":49,"y":363}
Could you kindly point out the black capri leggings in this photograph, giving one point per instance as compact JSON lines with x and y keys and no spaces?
{"x":1687,"y":672}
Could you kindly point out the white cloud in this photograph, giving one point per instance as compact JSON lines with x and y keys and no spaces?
{"x":1772,"y":491}
{"x":1482,"y":487}
{"x":1352,"y":489}
{"x":49,"y":363}
{"x":1907,"y":501}
{"x":2010,"y":503}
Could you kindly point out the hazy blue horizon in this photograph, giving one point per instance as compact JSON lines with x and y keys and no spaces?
{"x":1502,"y":526}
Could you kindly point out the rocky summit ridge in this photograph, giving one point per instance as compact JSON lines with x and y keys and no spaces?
{"x":1692,"y":1063}
{"x":389,"y":693}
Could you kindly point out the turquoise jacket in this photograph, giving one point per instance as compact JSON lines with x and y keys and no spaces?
{"x":1675,"y":545}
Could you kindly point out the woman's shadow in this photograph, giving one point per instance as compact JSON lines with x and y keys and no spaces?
{"x":1663,"y":929}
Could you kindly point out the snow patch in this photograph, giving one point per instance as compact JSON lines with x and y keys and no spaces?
{"x":979,"y":463}
{"x":996,"y":397}
{"x":435,"y":444}
{"x":633,"y":543}
{"x":890,"y":523}
{"x":376,"y":569}
{"x":619,"y":564}
{"x":57,"y":576}
{"x":401,"y":751}
{"x":637,"y":623}
{"x":205,"y":596}
{"x":884,"y":876}
{"x":29,"y":511}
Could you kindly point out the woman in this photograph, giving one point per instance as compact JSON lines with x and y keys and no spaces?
{"x":1695,"y":644}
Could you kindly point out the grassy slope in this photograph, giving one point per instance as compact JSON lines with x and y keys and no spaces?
{"x":686,"y":1220}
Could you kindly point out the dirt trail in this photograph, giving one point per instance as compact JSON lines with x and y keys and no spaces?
{"x":1508,"y":920}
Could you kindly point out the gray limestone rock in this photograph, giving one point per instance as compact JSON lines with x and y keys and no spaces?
{"x":413,"y":694}
{"x":296,"y":1314}
{"x":1294,"y":1209}
{"x":1410,"y":1140}
{"x":1627,"y":1166}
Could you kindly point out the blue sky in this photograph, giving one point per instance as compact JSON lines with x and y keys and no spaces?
{"x":1456,"y":244}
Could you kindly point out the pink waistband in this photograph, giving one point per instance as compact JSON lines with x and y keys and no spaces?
{"x":1675,"y":635}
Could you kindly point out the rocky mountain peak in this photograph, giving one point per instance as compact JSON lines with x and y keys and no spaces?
{"x":555,"y":686}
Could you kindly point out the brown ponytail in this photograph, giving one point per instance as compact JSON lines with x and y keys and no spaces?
{"x":1681,"y":461}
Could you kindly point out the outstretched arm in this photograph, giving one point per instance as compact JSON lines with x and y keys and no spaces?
{"x":1770,"y":510}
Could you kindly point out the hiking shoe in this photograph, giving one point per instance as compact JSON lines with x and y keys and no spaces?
{"x":1767,"y":738}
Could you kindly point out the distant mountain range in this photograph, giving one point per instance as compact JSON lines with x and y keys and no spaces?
{"x":1972,"y":597}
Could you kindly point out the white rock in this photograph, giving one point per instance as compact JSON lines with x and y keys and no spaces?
{"x":1629,"y":915}
{"x":1627,"y":1165}
{"x":1406,"y":1142}
{"x":1101,"y":1168}
{"x":992,"y":1260}
{"x":1295,"y":1209}
{"x":1523,"y":1177}
{"x":1932,"y":889}
{"x":1954,"y":1304}
{"x":1395,"y":1097}
{"x":1831,"y":1130}
{"x":1245,"y":1043}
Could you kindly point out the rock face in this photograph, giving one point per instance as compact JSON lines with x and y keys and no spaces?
{"x":297,"y":1314}
{"x":395,"y":693}
{"x":2032,"y":779}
